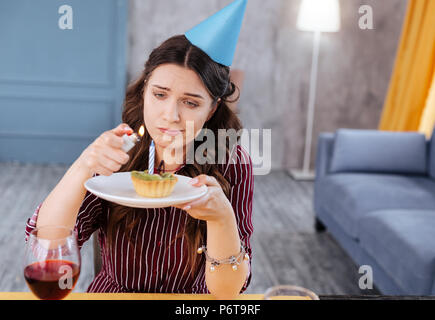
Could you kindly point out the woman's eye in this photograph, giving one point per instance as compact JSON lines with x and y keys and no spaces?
{"x":191,"y":104}
{"x":159,"y":95}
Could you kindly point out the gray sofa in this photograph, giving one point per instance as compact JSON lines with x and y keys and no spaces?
{"x":375,"y":193}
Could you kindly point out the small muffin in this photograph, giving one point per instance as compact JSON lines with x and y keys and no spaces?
{"x":153,"y":185}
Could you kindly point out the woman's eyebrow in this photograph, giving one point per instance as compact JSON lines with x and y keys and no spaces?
{"x":186,"y":93}
{"x":194,"y":95}
{"x":160,"y":87}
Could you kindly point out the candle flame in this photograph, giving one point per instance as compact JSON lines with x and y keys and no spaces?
{"x":141,"y":131}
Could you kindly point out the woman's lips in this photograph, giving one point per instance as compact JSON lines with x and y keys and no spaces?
{"x":170,"y":132}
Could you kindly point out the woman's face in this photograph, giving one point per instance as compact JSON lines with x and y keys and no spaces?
{"x":173,"y":96}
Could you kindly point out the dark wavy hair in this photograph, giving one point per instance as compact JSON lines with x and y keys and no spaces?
{"x":216,"y":78}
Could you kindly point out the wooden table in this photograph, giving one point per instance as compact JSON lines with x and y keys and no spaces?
{"x":166,"y":305}
{"x":131,"y":296}
{"x":176,"y":296}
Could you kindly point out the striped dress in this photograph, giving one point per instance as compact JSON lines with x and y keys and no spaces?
{"x":152,"y":261}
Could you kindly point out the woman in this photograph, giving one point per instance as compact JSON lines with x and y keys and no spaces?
{"x":155,"y":250}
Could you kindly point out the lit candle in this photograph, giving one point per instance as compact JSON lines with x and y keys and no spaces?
{"x":152,"y":152}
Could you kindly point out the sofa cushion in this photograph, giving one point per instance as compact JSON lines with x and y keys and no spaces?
{"x":347,"y":197}
{"x":402,"y":242}
{"x":379,"y":151}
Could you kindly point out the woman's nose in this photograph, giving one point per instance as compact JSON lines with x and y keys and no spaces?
{"x":171,"y":112}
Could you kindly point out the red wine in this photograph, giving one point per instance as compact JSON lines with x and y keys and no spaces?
{"x":51,"y":279}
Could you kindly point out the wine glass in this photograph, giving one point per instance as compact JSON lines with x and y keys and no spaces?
{"x":52,"y":262}
{"x":288,"y":292}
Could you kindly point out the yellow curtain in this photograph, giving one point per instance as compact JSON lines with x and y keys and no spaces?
{"x":427,"y":122}
{"x":413,"y":71}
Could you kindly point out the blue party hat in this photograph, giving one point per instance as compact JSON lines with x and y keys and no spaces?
{"x":218,"y":35}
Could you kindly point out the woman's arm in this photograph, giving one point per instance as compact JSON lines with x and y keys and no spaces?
{"x":222,"y":242}
{"x":103,"y":156}
{"x":223,"y":238}
{"x":62,"y":204}
{"x":229,"y":222}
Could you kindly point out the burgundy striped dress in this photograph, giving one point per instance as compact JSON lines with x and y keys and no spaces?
{"x":150,"y":263}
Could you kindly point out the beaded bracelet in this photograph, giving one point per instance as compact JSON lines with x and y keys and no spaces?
{"x":233,"y":260}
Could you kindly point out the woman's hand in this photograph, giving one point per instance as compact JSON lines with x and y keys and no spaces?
{"x":214,"y":206}
{"x":105,"y":155}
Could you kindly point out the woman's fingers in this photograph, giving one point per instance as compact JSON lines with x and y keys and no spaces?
{"x":105,"y":154}
{"x":201,"y":202}
{"x":103,"y":170}
{"x":198,"y":181}
{"x":122,"y":129}
{"x":204,"y":179}
{"x":117,"y":155}
{"x":109,"y":138}
{"x":109,"y":163}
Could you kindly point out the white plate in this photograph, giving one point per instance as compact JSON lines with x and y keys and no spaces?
{"x":119,"y":188}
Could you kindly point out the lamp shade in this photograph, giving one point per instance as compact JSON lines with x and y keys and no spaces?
{"x":319,"y":15}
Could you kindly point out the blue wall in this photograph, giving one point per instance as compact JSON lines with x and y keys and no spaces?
{"x":59,"y":89}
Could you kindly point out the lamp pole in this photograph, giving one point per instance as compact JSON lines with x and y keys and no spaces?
{"x":316,"y":16}
{"x":305,"y":173}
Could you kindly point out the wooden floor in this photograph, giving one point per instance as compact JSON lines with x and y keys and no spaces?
{"x":286,"y":248}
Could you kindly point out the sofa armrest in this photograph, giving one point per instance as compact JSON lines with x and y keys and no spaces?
{"x":325,"y":146}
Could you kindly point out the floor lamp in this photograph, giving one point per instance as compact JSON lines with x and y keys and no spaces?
{"x":316,"y":16}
